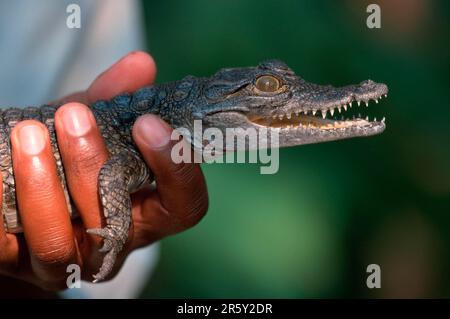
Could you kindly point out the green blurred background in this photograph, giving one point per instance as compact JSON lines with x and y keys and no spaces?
{"x":332,"y":209}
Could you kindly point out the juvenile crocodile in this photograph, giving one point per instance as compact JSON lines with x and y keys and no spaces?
{"x":268,"y":96}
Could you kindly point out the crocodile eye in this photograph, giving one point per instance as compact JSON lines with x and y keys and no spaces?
{"x":267,"y":83}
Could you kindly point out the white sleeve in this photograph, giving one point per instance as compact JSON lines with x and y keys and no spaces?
{"x":42,"y":59}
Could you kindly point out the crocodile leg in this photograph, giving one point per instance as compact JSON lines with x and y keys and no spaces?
{"x":120,"y":175}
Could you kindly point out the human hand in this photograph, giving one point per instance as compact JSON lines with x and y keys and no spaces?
{"x":51,"y":240}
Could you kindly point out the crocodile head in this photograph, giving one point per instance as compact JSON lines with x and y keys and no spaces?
{"x":272,"y":97}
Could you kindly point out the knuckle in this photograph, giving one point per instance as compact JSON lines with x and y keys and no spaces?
{"x":184,"y":176}
{"x":189,"y":181}
{"x":58,"y":252}
{"x":196,"y":208}
{"x":182,"y":173}
{"x":198,"y":211}
{"x":86,"y":163}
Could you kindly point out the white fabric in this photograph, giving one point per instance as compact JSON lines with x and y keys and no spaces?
{"x":41,"y":59}
{"x":128,"y":283}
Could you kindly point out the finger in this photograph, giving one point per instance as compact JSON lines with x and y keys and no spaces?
{"x":41,"y":201}
{"x":181,"y":188}
{"x":83,"y":153}
{"x":14,"y":257}
{"x":9,"y":246}
{"x":135,"y":70}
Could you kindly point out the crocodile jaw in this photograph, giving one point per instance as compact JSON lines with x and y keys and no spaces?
{"x":299,"y":126}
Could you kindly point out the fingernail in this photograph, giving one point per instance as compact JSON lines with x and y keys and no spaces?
{"x":31,"y":139}
{"x":153,"y":131}
{"x":77,"y":120}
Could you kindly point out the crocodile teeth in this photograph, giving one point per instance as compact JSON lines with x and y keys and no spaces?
{"x":367,"y":103}
{"x":375,"y":119}
{"x":314,"y":112}
{"x":359,"y":103}
{"x":376,"y":101}
{"x":332,"y":112}
{"x":383,"y":119}
{"x":345,"y":107}
{"x":339,"y":109}
{"x":367,"y":118}
{"x":324,"y":113}
{"x":280,"y":117}
{"x":288,"y":116}
{"x":385,"y":95}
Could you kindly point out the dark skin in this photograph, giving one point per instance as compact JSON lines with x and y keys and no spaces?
{"x":51,"y":240}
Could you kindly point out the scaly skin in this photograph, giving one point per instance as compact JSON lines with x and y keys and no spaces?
{"x":269,"y":96}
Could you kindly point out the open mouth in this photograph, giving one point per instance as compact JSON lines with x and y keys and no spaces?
{"x":335,"y":117}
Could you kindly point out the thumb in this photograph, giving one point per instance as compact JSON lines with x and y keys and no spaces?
{"x":181,"y":186}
